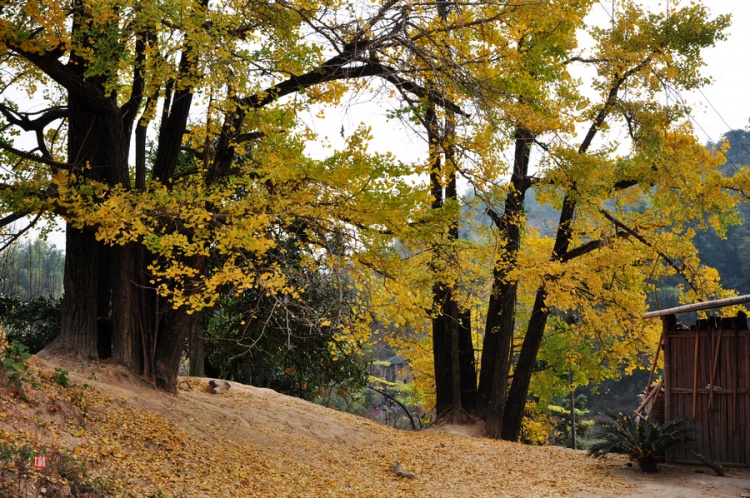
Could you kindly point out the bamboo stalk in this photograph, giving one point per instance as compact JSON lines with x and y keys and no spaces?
{"x":656,"y":358}
{"x":713,"y":370}
{"x":650,"y":395}
{"x":700,"y":306}
{"x":695,"y":371}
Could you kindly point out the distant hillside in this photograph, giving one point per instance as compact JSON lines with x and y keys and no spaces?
{"x":731,"y":256}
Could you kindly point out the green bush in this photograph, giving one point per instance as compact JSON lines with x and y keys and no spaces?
{"x":641,"y":440}
{"x":13,"y":360}
{"x":34,"y":323}
{"x":289,"y":342}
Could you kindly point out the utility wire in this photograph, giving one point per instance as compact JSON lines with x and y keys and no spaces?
{"x":681,"y":100}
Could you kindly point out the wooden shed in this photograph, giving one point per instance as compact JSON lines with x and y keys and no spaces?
{"x":707,"y":377}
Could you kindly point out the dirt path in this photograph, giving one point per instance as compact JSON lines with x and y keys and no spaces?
{"x":685,"y":481}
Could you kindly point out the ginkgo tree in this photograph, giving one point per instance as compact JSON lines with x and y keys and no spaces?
{"x":190,"y":93}
{"x":164,"y":133}
{"x":167,"y":133}
{"x":623,"y":204}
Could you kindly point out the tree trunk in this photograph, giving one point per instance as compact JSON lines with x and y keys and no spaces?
{"x":519,"y":389}
{"x":490,"y":347}
{"x":467,"y":363}
{"x":170,"y":344}
{"x":453,"y":354}
{"x":456,"y":394}
{"x":196,"y":349}
{"x":496,"y":395}
{"x":78,"y":330}
{"x":171,"y":336}
{"x":441,"y":351}
{"x":501,"y":313}
{"x":132,"y":310}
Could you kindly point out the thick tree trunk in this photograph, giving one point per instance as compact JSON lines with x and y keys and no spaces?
{"x":453,"y":353}
{"x":83,"y":294}
{"x":490,"y":347}
{"x":170,"y":345}
{"x":441,"y":350}
{"x":196,"y":345}
{"x":106,"y":286}
{"x":497,"y":392}
{"x":519,"y":389}
{"x":132,"y":310}
{"x":78,"y":331}
{"x":171,"y":337}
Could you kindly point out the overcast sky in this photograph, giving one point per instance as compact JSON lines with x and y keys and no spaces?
{"x":725,"y":104}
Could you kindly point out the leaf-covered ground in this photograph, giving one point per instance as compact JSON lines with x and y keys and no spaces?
{"x":120,"y":437}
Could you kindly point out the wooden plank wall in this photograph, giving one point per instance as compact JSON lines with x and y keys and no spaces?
{"x":721,"y":412}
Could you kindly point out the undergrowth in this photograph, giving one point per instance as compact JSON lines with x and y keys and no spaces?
{"x":29,"y":470}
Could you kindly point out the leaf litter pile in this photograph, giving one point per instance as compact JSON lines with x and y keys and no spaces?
{"x":108,"y":434}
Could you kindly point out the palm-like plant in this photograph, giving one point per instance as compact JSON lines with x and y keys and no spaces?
{"x":641,"y":441}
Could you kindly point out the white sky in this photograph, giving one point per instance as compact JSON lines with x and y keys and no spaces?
{"x":725,"y":104}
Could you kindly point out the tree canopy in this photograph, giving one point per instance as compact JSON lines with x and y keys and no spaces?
{"x":173,"y":135}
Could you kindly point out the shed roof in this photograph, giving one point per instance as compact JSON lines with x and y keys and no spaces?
{"x":707,"y":305}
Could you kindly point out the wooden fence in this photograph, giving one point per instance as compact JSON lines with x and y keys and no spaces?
{"x":707,"y":375}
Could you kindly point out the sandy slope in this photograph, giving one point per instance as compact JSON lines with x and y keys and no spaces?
{"x":256,"y":442}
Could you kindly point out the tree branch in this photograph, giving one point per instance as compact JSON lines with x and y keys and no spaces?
{"x":35,"y":158}
{"x":16,"y":236}
{"x":68,"y":79}
{"x":22,"y":119}
{"x":583,"y":249}
{"x":679,"y":269}
{"x":333,"y":69}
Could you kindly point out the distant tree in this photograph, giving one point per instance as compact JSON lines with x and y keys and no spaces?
{"x":32,"y":269}
{"x":34,"y":323}
{"x":31,"y":278}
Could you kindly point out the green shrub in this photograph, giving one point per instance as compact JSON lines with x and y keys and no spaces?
{"x":35,"y":322}
{"x":18,"y":372}
{"x":641,"y":440}
{"x":60,"y":377}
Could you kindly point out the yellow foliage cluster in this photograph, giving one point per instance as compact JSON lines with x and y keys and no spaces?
{"x":258,"y":73}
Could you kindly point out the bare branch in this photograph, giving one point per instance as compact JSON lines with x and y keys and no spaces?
{"x":35,"y":158}
{"x":16,"y":236}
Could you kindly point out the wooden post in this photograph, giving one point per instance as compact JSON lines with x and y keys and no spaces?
{"x":572,"y":408}
{"x":651,"y":395}
{"x":695,"y":370}
{"x":713,"y":369}
{"x":666,"y":321}
{"x":740,"y":323}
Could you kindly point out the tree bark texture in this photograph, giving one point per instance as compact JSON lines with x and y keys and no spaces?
{"x":78,"y":331}
{"x":453,"y":352}
{"x":501,"y":318}
{"x":196,"y":345}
